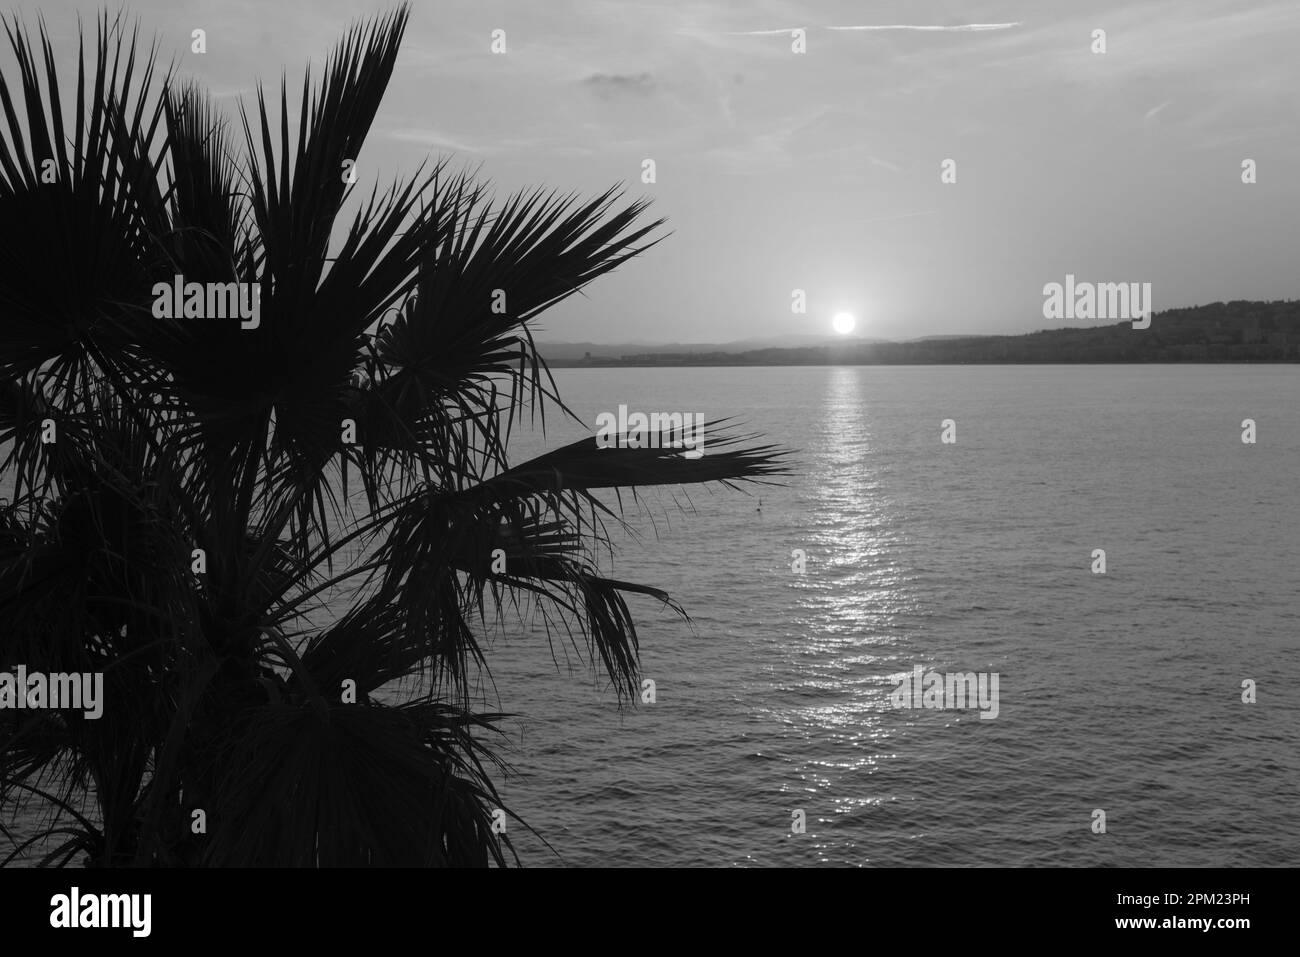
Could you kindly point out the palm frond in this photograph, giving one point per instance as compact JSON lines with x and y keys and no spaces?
{"x":182,"y":519}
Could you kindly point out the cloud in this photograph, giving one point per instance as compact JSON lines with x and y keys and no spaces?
{"x":884,"y":164}
{"x":767,"y":150}
{"x":738,"y":43}
{"x":1156,"y":109}
{"x":614,"y":84}
{"x":854,"y":150}
{"x":956,"y":28}
{"x":441,"y":141}
{"x":886,"y":219}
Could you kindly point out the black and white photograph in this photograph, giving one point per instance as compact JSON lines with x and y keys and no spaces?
{"x":641,"y":435}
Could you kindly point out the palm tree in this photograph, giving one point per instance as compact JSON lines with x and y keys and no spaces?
{"x":183,"y":497}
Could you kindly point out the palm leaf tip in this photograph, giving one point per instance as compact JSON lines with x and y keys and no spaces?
{"x":587,"y":465}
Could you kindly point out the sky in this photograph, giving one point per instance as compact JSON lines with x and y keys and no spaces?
{"x":821,"y":170}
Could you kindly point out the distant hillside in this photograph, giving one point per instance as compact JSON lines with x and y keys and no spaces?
{"x":566,"y":353}
{"x":1240,"y":331}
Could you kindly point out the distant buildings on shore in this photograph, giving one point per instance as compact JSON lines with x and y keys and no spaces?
{"x":1240,"y":331}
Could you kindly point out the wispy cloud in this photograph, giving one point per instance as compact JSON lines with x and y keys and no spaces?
{"x":438,"y":140}
{"x":610,"y":84}
{"x":855,"y":149}
{"x":778,"y":146}
{"x":886,"y":219}
{"x":955,"y":28}
{"x":1156,"y":109}
{"x":443,"y":142}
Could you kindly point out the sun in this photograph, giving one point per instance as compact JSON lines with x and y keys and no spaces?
{"x":843,"y":323}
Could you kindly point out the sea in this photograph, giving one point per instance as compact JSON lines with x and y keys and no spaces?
{"x":1147,"y":708}
{"x":1147,"y":714}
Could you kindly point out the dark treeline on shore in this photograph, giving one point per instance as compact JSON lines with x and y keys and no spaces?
{"x":1239,"y":331}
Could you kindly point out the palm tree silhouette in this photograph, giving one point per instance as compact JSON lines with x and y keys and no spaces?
{"x":197,"y":504}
